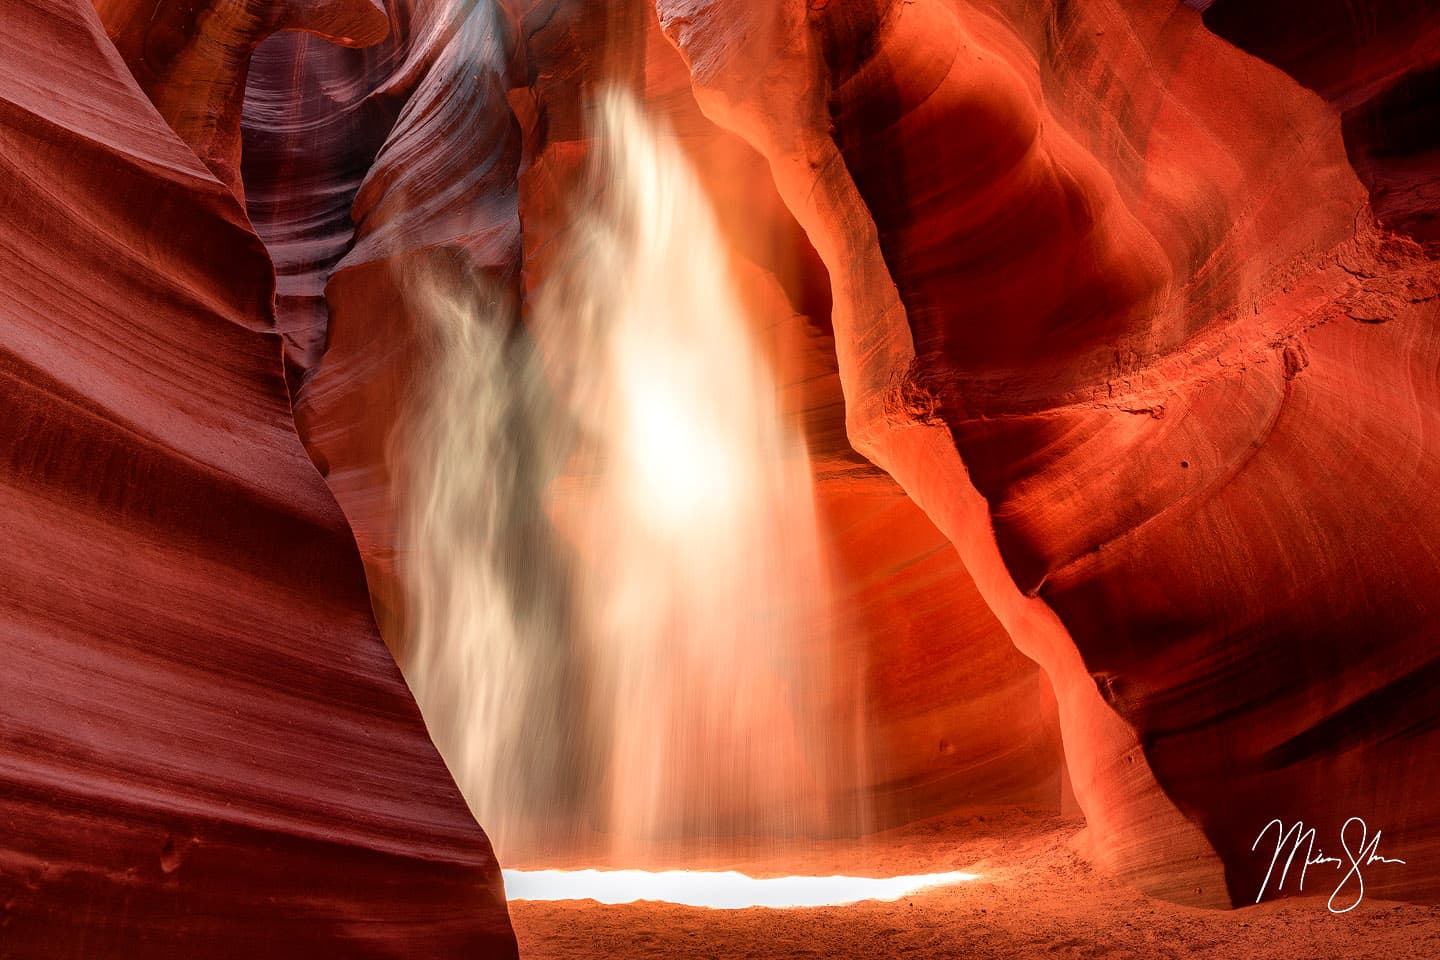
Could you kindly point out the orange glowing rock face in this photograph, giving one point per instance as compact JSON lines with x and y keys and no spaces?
{"x":1113,"y":351}
{"x":1161,"y":417}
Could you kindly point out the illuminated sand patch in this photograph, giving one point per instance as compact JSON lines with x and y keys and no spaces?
{"x":720,"y":891}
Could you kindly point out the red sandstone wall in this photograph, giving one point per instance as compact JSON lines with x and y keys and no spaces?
{"x":205,"y":748}
{"x":1108,"y":305}
{"x":1106,"y":297}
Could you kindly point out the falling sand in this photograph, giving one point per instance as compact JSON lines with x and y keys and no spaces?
{"x":618,"y":615}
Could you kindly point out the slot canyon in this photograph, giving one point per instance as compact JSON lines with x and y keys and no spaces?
{"x":720,"y":478}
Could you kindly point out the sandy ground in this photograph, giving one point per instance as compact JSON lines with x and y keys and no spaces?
{"x":1037,"y":898}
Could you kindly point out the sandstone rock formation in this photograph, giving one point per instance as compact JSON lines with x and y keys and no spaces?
{"x":191,"y":58}
{"x":1104,"y":295}
{"x":1134,"y":308}
{"x":1107,"y":287}
{"x":205,"y":748}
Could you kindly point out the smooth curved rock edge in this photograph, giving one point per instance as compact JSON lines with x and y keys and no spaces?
{"x":205,"y":749}
{"x":1153,"y":466}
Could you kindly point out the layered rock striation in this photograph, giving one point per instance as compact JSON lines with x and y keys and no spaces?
{"x":1111,"y":305}
{"x":205,"y":747}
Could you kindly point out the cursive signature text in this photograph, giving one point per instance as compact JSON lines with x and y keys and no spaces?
{"x":1359,"y":850}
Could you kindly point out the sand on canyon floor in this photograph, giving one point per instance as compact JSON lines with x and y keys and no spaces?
{"x":1037,"y":897}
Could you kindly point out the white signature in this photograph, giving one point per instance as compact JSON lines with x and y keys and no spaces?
{"x":1359,"y":852}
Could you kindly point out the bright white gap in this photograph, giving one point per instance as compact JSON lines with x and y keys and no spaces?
{"x":721,"y":891}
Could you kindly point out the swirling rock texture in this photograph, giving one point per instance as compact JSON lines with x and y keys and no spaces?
{"x":205,"y":748}
{"x":1110,"y":305}
{"x":191,"y":58}
{"x":1141,"y":324}
{"x":1107,"y":299}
